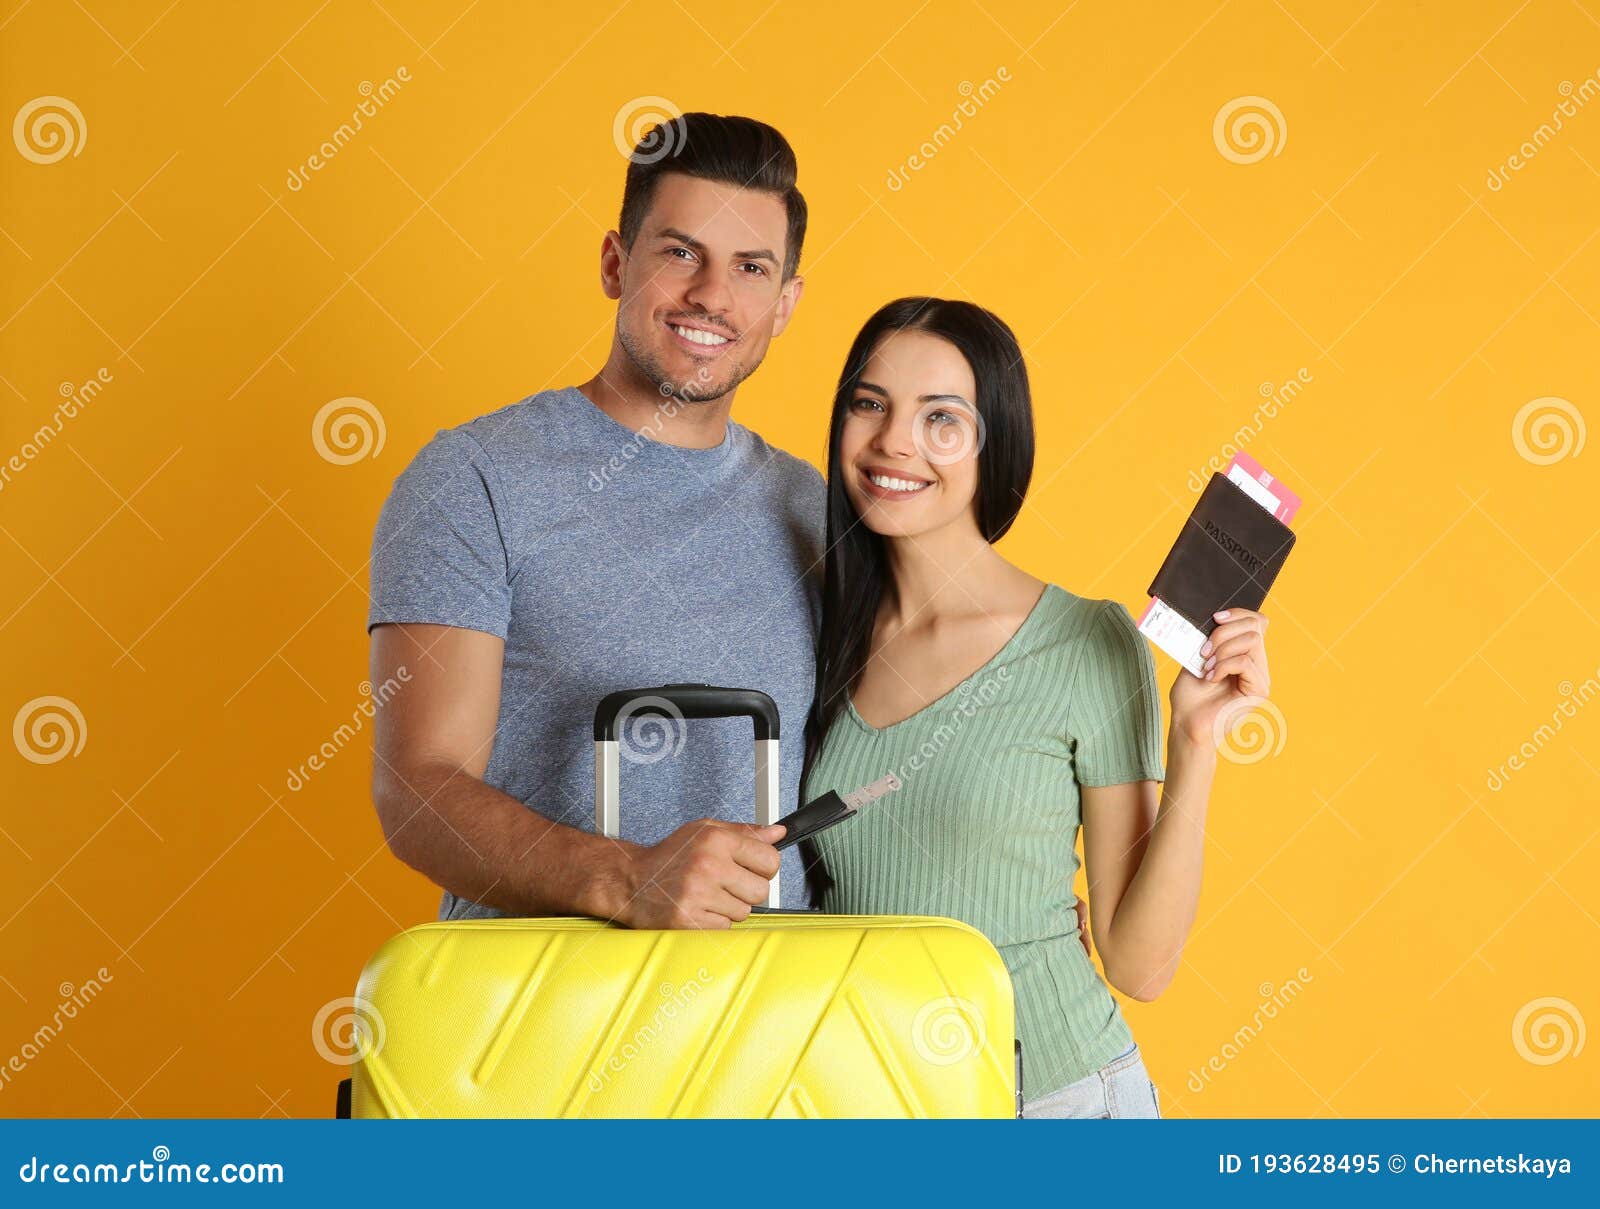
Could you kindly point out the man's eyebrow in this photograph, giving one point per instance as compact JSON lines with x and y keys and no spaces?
{"x":684,"y":237}
{"x":863,"y":384}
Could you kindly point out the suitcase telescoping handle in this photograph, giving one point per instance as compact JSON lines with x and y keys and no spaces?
{"x":662,"y":711}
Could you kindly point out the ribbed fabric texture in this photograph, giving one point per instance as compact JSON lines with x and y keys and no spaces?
{"x":985,"y":826}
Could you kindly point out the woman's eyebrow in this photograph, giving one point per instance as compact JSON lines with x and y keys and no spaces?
{"x":873,"y":386}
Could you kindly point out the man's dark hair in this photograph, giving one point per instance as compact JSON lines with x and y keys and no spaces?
{"x":731,"y":150}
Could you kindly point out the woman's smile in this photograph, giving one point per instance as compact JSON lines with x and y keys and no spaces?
{"x":884,"y":483}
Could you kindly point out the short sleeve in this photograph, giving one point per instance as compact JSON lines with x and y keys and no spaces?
{"x":1114,"y":716}
{"x":438,"y":553}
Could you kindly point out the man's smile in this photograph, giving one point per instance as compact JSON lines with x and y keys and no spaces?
{"x":698,"y":340}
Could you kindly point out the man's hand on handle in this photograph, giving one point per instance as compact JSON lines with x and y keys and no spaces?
{"x":706,"y":874}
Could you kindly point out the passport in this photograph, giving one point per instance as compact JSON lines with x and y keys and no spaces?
{"x":1228,"y":554}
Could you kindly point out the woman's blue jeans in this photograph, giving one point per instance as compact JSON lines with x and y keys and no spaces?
{"x":1120,"y":1088}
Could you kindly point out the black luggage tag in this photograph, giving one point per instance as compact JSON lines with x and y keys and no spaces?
{"x":831,"y":809}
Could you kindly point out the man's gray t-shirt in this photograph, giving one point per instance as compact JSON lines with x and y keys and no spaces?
{"x":607,"y":560}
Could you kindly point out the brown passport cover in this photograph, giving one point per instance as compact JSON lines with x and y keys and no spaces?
{"x":1230,"y":551}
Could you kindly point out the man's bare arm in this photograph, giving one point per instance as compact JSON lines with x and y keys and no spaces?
{"x":432,"y":745}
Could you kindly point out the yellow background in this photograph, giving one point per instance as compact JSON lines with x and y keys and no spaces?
{"x":182,"y":565}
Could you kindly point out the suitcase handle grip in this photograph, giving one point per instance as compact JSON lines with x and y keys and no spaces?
{"x":674,"y":703}
{"x":691,"y":701}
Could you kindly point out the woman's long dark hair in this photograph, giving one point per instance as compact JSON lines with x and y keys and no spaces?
{"x":855,"y":565}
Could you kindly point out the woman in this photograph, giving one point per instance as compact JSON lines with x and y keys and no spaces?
{"x":1012,"y":709}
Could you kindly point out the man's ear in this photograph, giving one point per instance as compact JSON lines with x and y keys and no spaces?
{"x":788,"y":299}
{"x":613,"y":259}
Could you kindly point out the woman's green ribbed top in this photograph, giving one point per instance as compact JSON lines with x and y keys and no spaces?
{"x":984,"y":828}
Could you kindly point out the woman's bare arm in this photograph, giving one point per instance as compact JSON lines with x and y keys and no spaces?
{"x":1143,"y":843}
{"x":1143,"y":859}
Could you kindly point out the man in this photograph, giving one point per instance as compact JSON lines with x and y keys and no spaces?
{"x":621,"y":533}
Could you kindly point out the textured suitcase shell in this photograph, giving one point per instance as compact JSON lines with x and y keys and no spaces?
{"x":803,"y":1015}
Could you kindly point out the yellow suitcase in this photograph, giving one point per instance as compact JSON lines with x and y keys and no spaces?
{"x":795,"y":1014}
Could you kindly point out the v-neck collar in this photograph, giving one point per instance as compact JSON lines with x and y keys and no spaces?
{"x":1027,"y":623}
